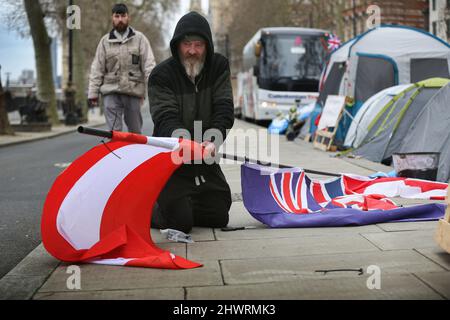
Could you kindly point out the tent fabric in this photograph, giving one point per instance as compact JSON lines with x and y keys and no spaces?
{"x":408,"y":117}
{"x":287,"y":198}
{"x":405,"y":120}
{"x":358,"y":128}
{"x":366,"y":83}
{"x":428,"y":68}
{"x":401,"y":44}
{"x":333,"y":82}
{"x":430,"y":132}
{"x":390,"y":125}
{"x":381,"y":58}
{"x":99,"y":209}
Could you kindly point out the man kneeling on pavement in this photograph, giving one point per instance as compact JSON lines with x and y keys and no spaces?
{"x":193,"y":85}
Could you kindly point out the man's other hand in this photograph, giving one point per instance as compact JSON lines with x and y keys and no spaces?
{"x":209,"y":150}
{"x":93,"y":102}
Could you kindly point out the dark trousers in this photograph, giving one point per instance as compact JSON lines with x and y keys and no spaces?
{"x":196,"y":195}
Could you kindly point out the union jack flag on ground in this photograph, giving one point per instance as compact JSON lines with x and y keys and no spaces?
{"x":289,"y":198}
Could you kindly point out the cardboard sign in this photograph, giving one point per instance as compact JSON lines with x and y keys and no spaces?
{"x":331,"y":112}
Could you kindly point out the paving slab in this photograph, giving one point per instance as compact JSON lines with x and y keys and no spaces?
{"x":298,"y":233}
{"x":402,"y":240}
{"x":239,"y":217}
{"x":283,"y":247}
{"x":107,"y":278}
{"x":295,"y":268}
{"x":393,"y":287}
{"x":198,"y":235}
{"x":414,"y":202}
{"x":408,"y":226}
{"x":141,"y":294}
{"x":364,"y":163}
{"x":439,"y":281}
{"x":438,"y":255}
{"x":19,"y":287}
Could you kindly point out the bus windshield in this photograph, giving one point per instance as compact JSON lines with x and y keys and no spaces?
{"x":292,"y":62}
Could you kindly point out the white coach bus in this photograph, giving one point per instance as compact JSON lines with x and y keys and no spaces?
{"x":280,"y":66}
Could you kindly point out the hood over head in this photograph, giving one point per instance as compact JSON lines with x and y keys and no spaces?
{"x":192,"y":23}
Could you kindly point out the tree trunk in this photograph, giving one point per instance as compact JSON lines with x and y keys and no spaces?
{"x":79,"y":75}
{"x":5,"y":127}
{"x":42,"y":42}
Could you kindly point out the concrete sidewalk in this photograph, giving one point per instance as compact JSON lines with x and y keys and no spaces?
{"x":94,"y":119}
{"x":263,"y":263}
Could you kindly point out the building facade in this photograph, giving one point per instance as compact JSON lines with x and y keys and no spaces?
{"x":440,"y":18}
{"x":413,"y":13}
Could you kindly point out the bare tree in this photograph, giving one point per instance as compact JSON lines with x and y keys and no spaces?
{"x":269,"y":14}
{"x":5,"y":127}
{"x":323,"y":14}
{"x":148,"y":16}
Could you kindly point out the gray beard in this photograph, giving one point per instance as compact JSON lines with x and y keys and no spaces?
{"x":193,"y":69}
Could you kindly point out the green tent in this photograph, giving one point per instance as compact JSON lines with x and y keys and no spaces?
{"x":390,"y":126}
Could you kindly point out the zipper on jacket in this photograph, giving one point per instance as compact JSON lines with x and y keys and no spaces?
{"x":197,"y":83}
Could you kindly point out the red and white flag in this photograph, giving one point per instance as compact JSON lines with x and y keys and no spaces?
{"x":99,"y":209}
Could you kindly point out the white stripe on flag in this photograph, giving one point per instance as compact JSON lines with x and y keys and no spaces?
{"x":111,"y":262}
{"x":80,"y":214}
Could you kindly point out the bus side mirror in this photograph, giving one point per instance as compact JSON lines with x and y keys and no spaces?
{"x":256,"y":71}
{"x":258,"y":49}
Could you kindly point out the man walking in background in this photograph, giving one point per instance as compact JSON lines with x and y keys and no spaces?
{"x":120,"y":71}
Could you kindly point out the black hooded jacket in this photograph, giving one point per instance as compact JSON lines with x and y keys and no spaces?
{"x":176,"y":102}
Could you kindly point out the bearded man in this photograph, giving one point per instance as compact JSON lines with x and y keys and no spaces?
{"x":193,"y":85}
{"x":120,"y":70}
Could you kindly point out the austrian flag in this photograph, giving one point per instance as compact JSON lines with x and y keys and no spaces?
{"x":99,"y":209}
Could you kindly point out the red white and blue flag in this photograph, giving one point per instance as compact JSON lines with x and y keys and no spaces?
{"x":333,"y":42}
{"x":99,"y":209}
{"x":288,"y":198}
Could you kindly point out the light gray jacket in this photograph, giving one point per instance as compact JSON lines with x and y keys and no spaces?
{"x":121,"y":66}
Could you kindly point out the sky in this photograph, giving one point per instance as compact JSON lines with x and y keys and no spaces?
{"x":17,"y":54}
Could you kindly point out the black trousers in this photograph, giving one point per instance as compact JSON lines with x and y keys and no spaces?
{"x":195,"y":195}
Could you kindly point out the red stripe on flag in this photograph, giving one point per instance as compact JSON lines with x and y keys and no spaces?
{"x":53,"y":242}
{"x":318,"y":194}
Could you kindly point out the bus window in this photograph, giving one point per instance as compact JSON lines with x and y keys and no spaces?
{"x":291,"y":62}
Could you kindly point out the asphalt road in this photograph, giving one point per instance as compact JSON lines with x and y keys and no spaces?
{"x":27,"y":172}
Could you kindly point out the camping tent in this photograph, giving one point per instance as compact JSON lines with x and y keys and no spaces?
{"x":381,"y":58}
{"x":333,"y":73}
{"x":390,"y":126}
{"x":384,"y":57}
{"x":430,"y":132}
{"x":358,"y":129}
